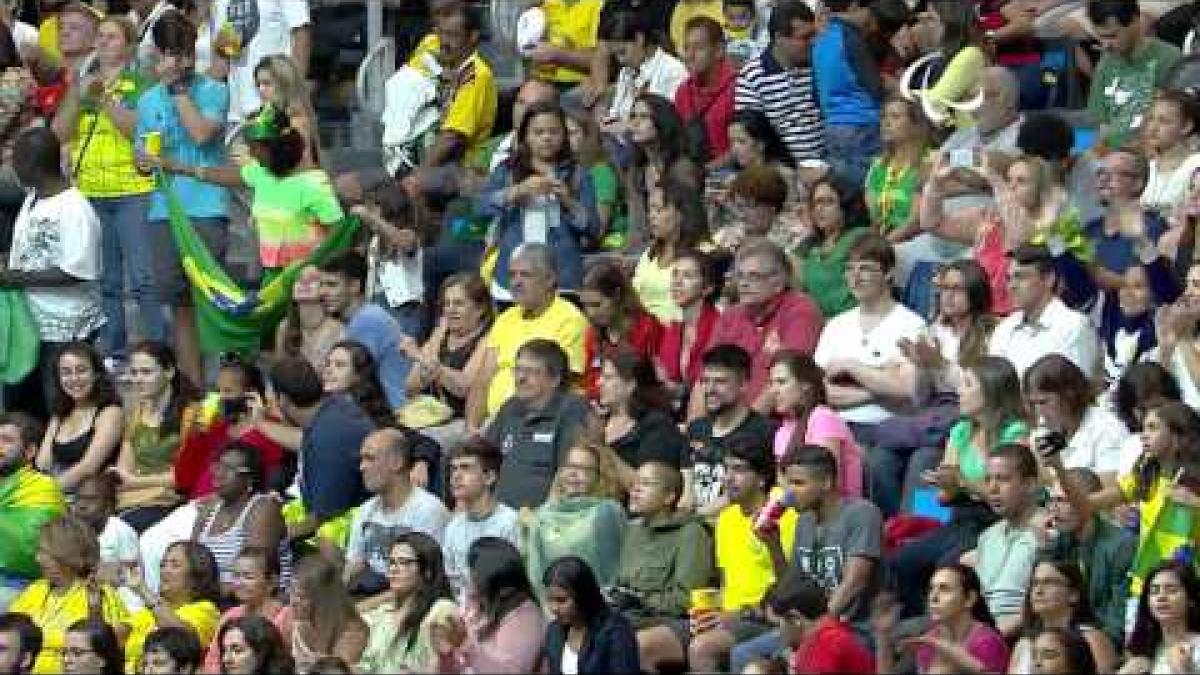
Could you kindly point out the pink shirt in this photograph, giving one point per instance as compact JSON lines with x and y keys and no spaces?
{"x":824,"y":426}
{"x":983,"y":642}
{"x":212,"y":659}
{"x":514,"y":647}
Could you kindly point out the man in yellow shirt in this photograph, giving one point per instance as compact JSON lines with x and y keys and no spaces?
{"x":564,"y":56}
{"x":538,"y":313}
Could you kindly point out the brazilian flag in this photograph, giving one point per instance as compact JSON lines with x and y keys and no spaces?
{"x":28,"y":500}
{"x":229,"y":319}
{"x":1172,"y":537}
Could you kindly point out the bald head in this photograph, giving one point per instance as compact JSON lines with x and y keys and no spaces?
{"x":1001,"y":95}
{"x":530,"y":93}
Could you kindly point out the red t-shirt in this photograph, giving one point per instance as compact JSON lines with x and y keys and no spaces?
{"x":643,"y":339}
{"x":715,"y":102}
{"x":833,"y":647}
{"x":790,"y":321}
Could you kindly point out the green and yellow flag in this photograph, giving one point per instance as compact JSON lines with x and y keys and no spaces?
{"x":20,"y":340}
{"x":28,"y":500}
{"x":229,"y":319}
{"x":1172,"y":537}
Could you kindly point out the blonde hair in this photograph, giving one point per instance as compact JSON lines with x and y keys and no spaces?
{"x":1042,"y":175}
{"x":291,"y":94}
{"x":73,"y":544}
{"x":606,"y":484}
{"x":126,"y":27}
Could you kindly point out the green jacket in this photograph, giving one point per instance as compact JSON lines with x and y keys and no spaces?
{"x":1105,"y":559}
{"x":662,"y":562}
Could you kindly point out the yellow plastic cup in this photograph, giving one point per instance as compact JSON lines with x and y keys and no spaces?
{"x":705,"y":600}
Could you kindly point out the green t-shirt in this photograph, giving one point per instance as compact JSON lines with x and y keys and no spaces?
{"x":1122,"y":89}
{"x":290,"y":213}
{"x":607,"y":186}
{"x":972,"y":463}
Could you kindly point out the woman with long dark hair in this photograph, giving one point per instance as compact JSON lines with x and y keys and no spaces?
{"x":92,"y":648}
{"x":350,"y":369}
{"x":835,"y":215}
{"x":639,"y":424}
{"x":251,"y":645}
{"x":420,"y":596}
{"x":675,"y":221}
{"x":257,"y":574}
{"x":657,"y":136}
{"x":694,"y":285}
{"x":617,"y":321}
{"x":1166,"y":630}
{"x":1062,"y":651}
{"x":954,"y":28}
{"x":1057,"y":598}
{"x":586,"y":635}
{"x":541,"y":194}
{"x":308,"y":331}
{"x":85,"y":429}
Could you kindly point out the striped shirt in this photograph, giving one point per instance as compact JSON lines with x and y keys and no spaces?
{"x":786,"y":96}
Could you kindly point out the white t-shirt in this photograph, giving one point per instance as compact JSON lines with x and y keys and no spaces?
{"x":844,"y":339}
{"x":1098,"y":442}
{"x":660,"y":74}
{"x":463,"y":530}
{"x":60,"y":232}
{"x":374,"y":529}
{"x":271,"y":23}
{"x":119,"y":546}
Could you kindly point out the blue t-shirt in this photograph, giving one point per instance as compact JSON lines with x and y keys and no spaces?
{"x":1116,"y":253}
{"x":380,"y":333}
{"x":330,"y":480}
{"x":156,"y":112}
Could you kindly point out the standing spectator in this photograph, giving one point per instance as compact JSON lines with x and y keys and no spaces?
{"x":849,"y":89}
{"x":397,"y":507}
{"x":98,"y":117}
{"x":343,"y":295}
{"x":28,"y":500}
{"x":893,"y":181}
{"x":22,"y":641}
{"x":474,"y":471}
{"x":541,"y":196}
{"x":586,"y":635}
{"x":780,"y":82}
{"x":280,"y":82}
{"x":1125,"y":234}
{"x":822,"y":273}
{"x":536,"y":425}
{"x":646,"y":68}
{"x":322,"y":616}
{"x":675,"y":221}
{"x":618,"y":321}
{"x":769,"y":316}
{"x":55,"y":258}
{"x":728,"y":421}
{"x":705,"y":98}
{"x":85,"y":430}
{"x":263,"y":28}
{"x":684,"y":342}
{"x":143,"y":14}
{"x":1133,"y":65}
{"x":188,"y":111}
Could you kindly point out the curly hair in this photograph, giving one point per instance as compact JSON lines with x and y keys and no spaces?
{"x":607,"y":484}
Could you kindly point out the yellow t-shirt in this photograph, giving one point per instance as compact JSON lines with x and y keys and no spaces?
{"x":54,"y":614}
{"x":653,"y":285}
{"x":201,"y":616}
{"x":430,"y":44}
{"x":562,"y":322}
{"x":102,"y":156}
{"x":687,"y":10}
{"x":48,"y":39}
{"x":569,"y":25}
{"x":472,"y":110}
{"x":743,"y":558}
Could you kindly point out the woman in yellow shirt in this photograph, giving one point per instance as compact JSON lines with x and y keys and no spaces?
{"x":68,"y":554}
{"x":187,"y":598}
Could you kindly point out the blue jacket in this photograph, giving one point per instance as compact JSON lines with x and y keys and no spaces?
{"x":847,"y":79}
{"x":609,"y":646}
{"x":566,"y":240}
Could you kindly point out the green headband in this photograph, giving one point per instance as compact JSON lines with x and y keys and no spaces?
{"x":267,"y":125}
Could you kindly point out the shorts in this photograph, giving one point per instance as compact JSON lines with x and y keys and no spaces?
{"x":168,"y":271}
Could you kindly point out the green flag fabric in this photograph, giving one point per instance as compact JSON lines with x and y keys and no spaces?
{"x":229,"y":319}
{"x":1172,"y":537}
{"x":28,"y":500}
{"x":19,"y":337}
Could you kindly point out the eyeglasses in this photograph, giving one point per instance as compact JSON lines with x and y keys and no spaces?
{"x":754,"y":277}
{"x":402,"y":561}
{"x":77,"y":653}
{"x":863,"y":270}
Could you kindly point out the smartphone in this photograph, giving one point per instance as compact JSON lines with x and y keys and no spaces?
{"x":962,"y":158}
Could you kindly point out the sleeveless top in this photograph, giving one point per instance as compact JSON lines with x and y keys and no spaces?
{"x":66,"y":454}
{"x":226,"y":546}
{"x":457,"y":359}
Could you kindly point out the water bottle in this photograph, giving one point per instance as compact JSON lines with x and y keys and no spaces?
{"x":768,"y":517}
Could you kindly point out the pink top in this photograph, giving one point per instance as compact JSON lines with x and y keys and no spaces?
{"x":212,"y":659}
{"x":983,"y":642}
{"x":825,"y":425}
{"x":514,"y":647}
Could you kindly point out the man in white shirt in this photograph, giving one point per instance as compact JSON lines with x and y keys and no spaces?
{"x":867,"y":377}
{"x":1042,"y":324}
{"x":264,"y":28}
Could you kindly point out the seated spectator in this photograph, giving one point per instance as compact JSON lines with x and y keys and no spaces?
{"x":54,"y":256}
{"x":1126,"y":234}
{"x":564,"y":56}
{"x":85,"y":430}
{"x":757,"y":197}
{"x":542,"y":196}
{"x":536,"y":426}
{"x":22,"y":643}
{"x":240,"y":514}
{"x":95,"y":503}
{"x":321,"y":614}
{"x":1144,"y":387}
{"x":418,"y":597}
{"x":343,"y":295}
{"x":836,"y":230}
{"x":606,"y":643}
{"x":798,"y":392}
{"x":754,"y":142}
{"x":684,"y":341}
{"x":257,"y":573}
{"x":893,"y":182}
{"x":1172,"y":123}
{"x":1060,"y":651}
{"x":1041,"y":323}
{"x":1060,"y":398}
{"x":590,"y":151}
{"x":769,"y":316}
{"x":746,"y":564}
{"x":1176,"y":327}
{"x":474,"y":470}
{"x":581,"y":517}
{"x":1128,"y":331}
{"x":993,"y":415}
{"x":171,"y":650}
{"x":1166,"y":629}
{"x":638,"y":424}
{"x":334,"y":428}
{"x":656,"y":137}
{"x":1131,"y":67}
{"x":397,"y":507}
{"x":868,"y":380}
{"x":646,"y":68}
{"x":818,"y":641}
{"x":443,"y":363}
{"x":746,"y":30}
{"x":705,"y":98}
{"x":675,"y":221}
{"x":188,"y":596}
{"x":308,"y":331}
{"x":666,"y":555}
{"x":683,"y":14}
{"x":67,"y":592}
{"x":251,"y":644}
{"x":162,"y":410}
{"x":1009,"y":27}
{"x":28,"y":500}
{"x":1057,"y":599}
{"x":963,"y":636}
{"x":619,"y":323}
{"x":727,"y":421}
{"x":502,"y":629}
{"x":91,"y":645}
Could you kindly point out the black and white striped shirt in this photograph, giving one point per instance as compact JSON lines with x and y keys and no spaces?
{"x":787,"y":97}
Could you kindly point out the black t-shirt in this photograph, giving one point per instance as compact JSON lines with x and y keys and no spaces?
{"x":654,"y":438}
{"x":706,"y":455}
